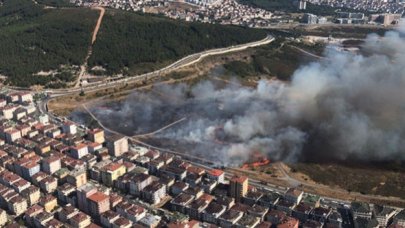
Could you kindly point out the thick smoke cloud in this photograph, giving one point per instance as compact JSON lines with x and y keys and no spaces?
{"x":346,"y":106}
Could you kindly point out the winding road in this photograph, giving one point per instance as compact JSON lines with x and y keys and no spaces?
{"x":186,"y":61}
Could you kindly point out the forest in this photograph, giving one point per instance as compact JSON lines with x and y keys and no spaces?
{"x":55,"y":41}
{"x":56,"y":3}
{"x":34,"y":39}
{"x":132,"y":43}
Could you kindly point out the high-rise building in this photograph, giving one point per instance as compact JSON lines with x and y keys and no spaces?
{"x":96,"y":135}
{"x":239,"y":187}
{"x":309,"y":19}
{"x":302,"y":4}
{"x":117,"y":145}
{"x":82,"y":193}
{"x":98,"y":203}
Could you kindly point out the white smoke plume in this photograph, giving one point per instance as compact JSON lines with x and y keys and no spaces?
{"x":345,"y":106}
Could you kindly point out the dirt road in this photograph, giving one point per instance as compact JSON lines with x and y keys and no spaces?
{"x":100,"y":19}
{"x":83,"y":67}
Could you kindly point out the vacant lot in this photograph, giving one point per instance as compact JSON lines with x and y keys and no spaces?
{"x":278,"y":59}
{"x":336,"y":31}
{"x":366,"y":179}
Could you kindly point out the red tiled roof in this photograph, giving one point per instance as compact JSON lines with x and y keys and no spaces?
{"x":215,"y":172}
{"x":98,"y":197}
{"x":239,"y":179}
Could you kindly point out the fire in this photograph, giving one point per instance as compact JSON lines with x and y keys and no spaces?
{"x":257,"y":160}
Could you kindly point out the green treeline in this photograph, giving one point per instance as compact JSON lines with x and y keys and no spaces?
{"x":132,"y":43}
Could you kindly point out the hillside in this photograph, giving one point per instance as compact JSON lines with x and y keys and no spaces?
{"x":55,"y":3}
{"x":46,"y":46}
{"x":133,"y":43}
{"x":33,"y":39}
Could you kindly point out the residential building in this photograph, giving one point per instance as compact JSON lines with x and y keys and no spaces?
{"x":83,"y":193}
{"x":48,"y":202}
{"x":111,"y":172}
{"x":3,"y":218}
{"x":79,"y":151}
{"x":230,"y":218}
{"x":238,"y":187}
{"x":117,"y":145}
{"x":48,"y":184}
{"x":213,"y":212}
{"x":216,"y":175}
{"x":288,"y":222}
{"x":383,"y":214}
{"x":107,"y":218}
{"x":32,"y":194}
{"x":400,"y":218}
{"x":69,"y":128}
{"x":17,"y":205}
{"x":361,"y":210}
{"x":51,"y":164}
{"x":252,"y":197}
{"x":361,"y":222}
{"x":195,"y":209}
{"x":80,"y":220}
{"x":180,"y":202}
{"x":302,"y":4}
{"x":247,"y":221}
{"x":77,"y":177}
{"x":320,"y":214}
{"x":98,"y":204}
{"x":122,"y":222}
{"x":96,"y":135}
{"x":138,"y":183}
{"x":154,"y":192}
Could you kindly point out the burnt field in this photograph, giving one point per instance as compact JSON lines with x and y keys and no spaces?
{"x":386,"y":179}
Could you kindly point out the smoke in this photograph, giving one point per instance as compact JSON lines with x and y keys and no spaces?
{"x":345,"y":106}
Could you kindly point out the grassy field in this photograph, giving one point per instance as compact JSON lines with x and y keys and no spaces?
{"x":274,"y":59}
{"x":132,"y":43}
{"x":367,"y":179}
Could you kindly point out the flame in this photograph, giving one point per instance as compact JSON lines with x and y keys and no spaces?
{"x":257,"y":161}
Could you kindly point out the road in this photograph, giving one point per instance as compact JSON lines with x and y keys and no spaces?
{"x":307,"y":53}
{"x":186,"y":61}
{"x":159,"y":130}
{"x":194,"y":159}
{"x":83,"y":67}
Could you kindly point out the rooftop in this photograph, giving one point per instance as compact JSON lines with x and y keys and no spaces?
{"x":215,"y":172}
{"x":239,"y":179}
{"x":294,"y":192}
{"x":360,"y":207}
{"x":98,"y":197}
{"x":382,"y":210}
